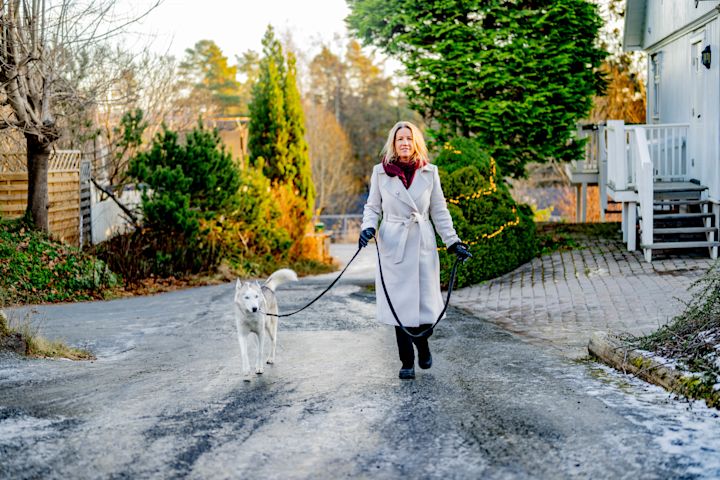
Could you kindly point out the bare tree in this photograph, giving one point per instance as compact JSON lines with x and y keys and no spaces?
{"x":144,"y":89}
{"x":331,"y":159}
{"x":44,"y":57}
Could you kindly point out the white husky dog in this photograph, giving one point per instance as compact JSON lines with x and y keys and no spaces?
{"x":252,"y":302}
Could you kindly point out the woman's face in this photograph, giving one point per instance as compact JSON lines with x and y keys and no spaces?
{"x":404,"y":144}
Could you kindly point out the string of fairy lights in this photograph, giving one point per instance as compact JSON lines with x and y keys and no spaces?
{"x":480,"y":193}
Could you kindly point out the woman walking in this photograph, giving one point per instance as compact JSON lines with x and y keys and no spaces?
{"x":405,"y":194}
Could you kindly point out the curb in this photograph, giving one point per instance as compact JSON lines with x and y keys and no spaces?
{"x":611,"y":351}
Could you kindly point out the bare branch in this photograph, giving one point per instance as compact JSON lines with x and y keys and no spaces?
{"x":122,"y":206}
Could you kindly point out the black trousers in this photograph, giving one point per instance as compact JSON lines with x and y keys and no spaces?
{"x":405,"y":344}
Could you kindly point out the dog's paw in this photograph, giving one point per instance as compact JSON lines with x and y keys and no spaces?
{"x":247,"y":379}
{"x":259,"y":371}
{"x":270,"y":361}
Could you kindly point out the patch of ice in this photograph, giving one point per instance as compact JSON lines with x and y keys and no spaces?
{"x":689,"y":431}
{"x":664,"y":361}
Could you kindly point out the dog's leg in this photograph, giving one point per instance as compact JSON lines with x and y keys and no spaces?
{"x":259,"y":366}
{"x":272,"y":325}
{"x":242,"y":340}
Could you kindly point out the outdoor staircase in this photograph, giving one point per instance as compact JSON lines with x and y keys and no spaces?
{"x":682,"y":219}
{"x":616,"y":208}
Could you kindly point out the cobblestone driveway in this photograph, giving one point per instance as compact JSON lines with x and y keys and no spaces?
{"x":560,"y":299}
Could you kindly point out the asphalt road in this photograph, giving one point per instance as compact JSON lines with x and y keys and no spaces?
{"x":166,"y":399}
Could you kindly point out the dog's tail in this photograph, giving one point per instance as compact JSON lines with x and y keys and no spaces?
{"x":279,"y":277}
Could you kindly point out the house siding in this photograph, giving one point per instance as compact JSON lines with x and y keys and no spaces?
{"x":680,"y":87}
{"x":665,"y":17}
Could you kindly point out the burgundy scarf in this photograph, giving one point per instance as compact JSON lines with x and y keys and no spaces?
{"x":404,"y":171}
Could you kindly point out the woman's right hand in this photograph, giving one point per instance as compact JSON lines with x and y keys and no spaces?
{"x":460,"y":250}
{"x":365,"y":237}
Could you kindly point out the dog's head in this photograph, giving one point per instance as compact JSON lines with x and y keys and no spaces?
{"x":248,"y":296}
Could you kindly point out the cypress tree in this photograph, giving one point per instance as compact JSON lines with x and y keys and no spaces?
{"x":277,"y":125}
{"x":298,"y":154}
{"x":268,"y":133}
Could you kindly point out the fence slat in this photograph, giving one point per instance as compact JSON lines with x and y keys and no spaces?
{"x":63,"y":191}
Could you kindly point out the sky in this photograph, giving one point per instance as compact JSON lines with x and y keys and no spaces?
{"x":236,"y":25}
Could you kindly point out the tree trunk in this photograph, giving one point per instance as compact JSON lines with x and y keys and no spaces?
{"x":38,"y":160}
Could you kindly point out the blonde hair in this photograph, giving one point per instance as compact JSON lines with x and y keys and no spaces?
{"x":419,"y":156}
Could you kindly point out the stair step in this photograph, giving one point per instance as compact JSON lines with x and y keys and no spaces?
{"x":666,"y":231}
{"x":663,"y":203}
{"x":678,"y":216}
{"x":668,"y":245}
{"x":665,"y":187}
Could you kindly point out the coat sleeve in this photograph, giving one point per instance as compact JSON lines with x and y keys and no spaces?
{"x":439,"y":213}
{"x":373,"y":207}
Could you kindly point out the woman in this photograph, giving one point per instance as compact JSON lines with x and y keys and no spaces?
{"x":405,"y":193}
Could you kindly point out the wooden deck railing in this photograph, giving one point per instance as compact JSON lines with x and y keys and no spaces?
{"x":667,"y":145}
{"x":643,"y":167}
{"x":667,"y":149}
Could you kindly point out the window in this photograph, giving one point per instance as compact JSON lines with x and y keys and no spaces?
{"x":655,"y":67}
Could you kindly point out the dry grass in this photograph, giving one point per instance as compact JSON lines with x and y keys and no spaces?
{"x":693,"y":338}
{"x":36,"y":345}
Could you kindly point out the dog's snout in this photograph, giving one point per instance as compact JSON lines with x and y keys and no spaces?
{"x":254,"y":309}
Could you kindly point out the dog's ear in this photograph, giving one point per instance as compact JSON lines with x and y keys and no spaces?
{"x":238,"y":284}
{"x":257,"y":283}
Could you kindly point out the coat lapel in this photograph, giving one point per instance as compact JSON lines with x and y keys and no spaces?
{"x":394,"y":187}
{"x":422,"y":181}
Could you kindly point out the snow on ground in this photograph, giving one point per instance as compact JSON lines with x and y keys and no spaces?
{"x":689,"y":431}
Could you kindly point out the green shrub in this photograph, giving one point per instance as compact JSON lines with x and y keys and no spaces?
{"x":500,"y":232}
{"x":251,"y":233}
{"x":36,"y":269}
{"x":184,"y":185}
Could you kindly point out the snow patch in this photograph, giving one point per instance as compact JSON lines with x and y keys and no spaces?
{"x":689,"y":431}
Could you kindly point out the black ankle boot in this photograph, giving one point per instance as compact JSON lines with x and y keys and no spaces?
{"x":407,"y":373}
{"x":424,"y":359}
{"x":424,"y":356}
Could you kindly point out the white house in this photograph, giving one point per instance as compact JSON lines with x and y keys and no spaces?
{"x":666,"y":174}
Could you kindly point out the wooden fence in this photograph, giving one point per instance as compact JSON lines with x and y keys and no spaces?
{"x":63,"y":191}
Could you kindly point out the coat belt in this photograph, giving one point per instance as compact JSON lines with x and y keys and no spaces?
{"x":407,"y":222}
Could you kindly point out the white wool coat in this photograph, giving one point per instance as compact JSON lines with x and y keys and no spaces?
{"x":406,"y":240}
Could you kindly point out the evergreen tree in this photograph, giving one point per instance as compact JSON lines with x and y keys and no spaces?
{"x":205,"y":70}
{"x":515,"y":74}
{"x":268,"y":133}
{"x":184,"y":184}
{"x":298,"y":155}
{"x":277,"y":126}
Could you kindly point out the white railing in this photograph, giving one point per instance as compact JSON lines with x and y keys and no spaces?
{"x":643,"y":166}
{"x":667,"y":149}
{"x":591,"y":159}
{"x":617,"y":170}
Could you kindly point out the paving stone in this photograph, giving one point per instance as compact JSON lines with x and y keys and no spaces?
{"x":560,"y":299}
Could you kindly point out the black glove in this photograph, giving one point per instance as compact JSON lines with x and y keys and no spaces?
{"x":365,"y":237}
{"x":460,"y":250}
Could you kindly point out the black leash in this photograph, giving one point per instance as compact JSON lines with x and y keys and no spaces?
{"x":453,"y":274}
{"x":322,"y":293}
{"x":392,"y":309}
